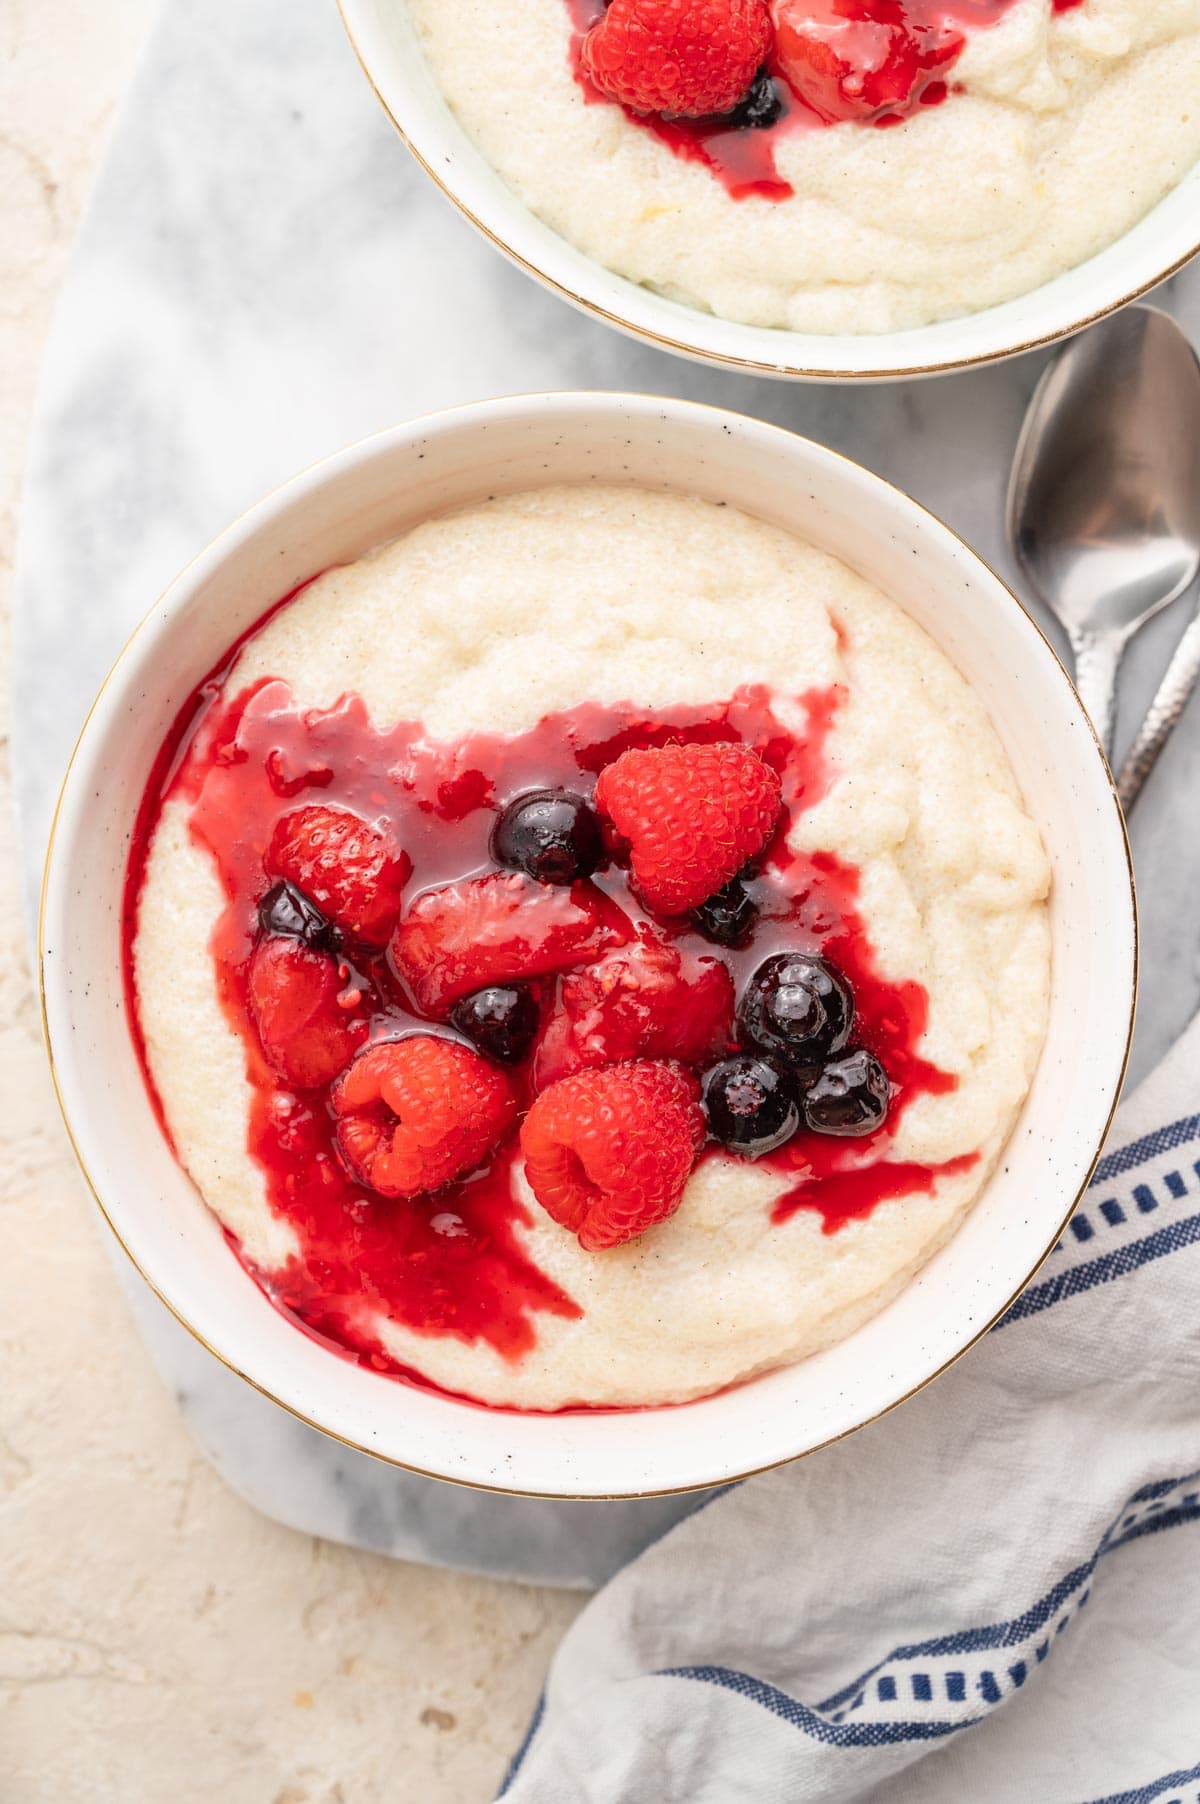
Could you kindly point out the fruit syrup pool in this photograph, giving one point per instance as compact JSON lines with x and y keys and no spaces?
{"x":450,"y":1263}
{"x":889,"y":58}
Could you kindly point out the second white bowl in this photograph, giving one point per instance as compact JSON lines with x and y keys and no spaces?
{"x":387,"y":46}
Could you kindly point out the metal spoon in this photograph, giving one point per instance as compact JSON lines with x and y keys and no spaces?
{"x":1162,"y":716}
{"x":1104,"y":500}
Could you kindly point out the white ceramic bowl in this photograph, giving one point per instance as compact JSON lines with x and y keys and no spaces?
{"x":386,"y":43}
{"x":368,"y":494}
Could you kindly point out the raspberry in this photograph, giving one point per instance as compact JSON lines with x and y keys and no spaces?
{"x":853,"y":59}
{"x":608,"y":1153}
{"x":681,"y":58}
{"x":352,"y":871}
{"x":413,"y":1114}
{"x":692,"y":814}
{"x":307,"y":1036}
{"x":641,"y":1001}
{"x":499,"y":929}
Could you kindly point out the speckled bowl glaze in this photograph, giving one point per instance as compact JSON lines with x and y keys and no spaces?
{"x":368,"y":494}
{"x":386,"y":44}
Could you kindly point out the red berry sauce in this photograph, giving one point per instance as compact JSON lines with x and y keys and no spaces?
{"x":451,"y":1263}
{"x":874,"y":62}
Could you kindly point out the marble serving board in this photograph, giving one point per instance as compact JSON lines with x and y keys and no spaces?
{"x":263,"y":275}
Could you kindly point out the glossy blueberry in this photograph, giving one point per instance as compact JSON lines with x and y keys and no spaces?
{"x":287,"y":910}
{"x":797,"y":1006}
{"x":850,"y":1097}
{"x":500,"y":1021}
{"x":761,"y":105}
{"x":551,"y":834}
{"x":750,"y":1104}
{"x":727,"y":917}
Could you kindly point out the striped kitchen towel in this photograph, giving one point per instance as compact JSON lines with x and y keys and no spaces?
{"x":992,"y":1594}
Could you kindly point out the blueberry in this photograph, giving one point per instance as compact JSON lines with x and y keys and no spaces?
{"x":761,"y":105}
{"x":727,"y":917}
{"x":501,"y":1021}
{"x":551,"y":834}
{"x":850,"y":1097}
{"x":750,"y":1104}
{"x":288,"y":911}
{"x":798,"y":1006}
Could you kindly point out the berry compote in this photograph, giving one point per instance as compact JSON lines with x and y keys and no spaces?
{"x":542,"y":976}
{"x":832,"y":62}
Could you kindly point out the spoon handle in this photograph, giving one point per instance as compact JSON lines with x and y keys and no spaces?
{"x":1097,"y":660}
{"x":1162,"y":717}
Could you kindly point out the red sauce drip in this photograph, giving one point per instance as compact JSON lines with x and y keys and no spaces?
{"x":819,"y":913}
{"x":881,"y":61}
{"x":163,"y":772}
{"x":451,"y":1263}
{"x":841,"y":1195}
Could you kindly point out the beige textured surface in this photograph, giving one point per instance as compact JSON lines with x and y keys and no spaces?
{"x":157,"y":1639}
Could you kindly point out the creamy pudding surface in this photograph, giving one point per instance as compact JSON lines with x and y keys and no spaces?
{"x":1058,"y":131}
{"x":481,"y":626}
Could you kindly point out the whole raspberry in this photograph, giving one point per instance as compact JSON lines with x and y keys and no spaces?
{"x":681,"y":58}
{"x":608,"y":1153}
{"x":306,"y":1034}
{"x":496,"y":930}
{"x":692,"y":814}
{"x":413,"y":1114}
{"x":352,"y":870}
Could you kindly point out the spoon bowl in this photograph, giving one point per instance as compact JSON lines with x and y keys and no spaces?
{"x":1104,"y":501}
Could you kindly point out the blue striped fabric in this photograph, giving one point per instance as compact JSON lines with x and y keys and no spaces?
{"x":1003,"y":1652}
{"x":1157,"y":1790}
{"x":1110,"y":1228}
{"x":1142,"y":1206}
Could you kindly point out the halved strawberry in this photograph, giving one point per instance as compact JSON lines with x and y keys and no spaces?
{"x":645,"y":1000}
{"x":499,"y":929}
{"x":846,"y":60}
{"x":306,"y":1034}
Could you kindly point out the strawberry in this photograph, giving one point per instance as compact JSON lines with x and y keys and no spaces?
{"x":645,"y":1000}
{"x":499,"y":929}
{"x":681,"y":58}
{"x":353,"y":871}
{"x":608,"y":1153}
{"x":306,"y":1033}
{"x":692,"y":814}
{"x":413,"y":1114}
{"x":854,"y":59}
